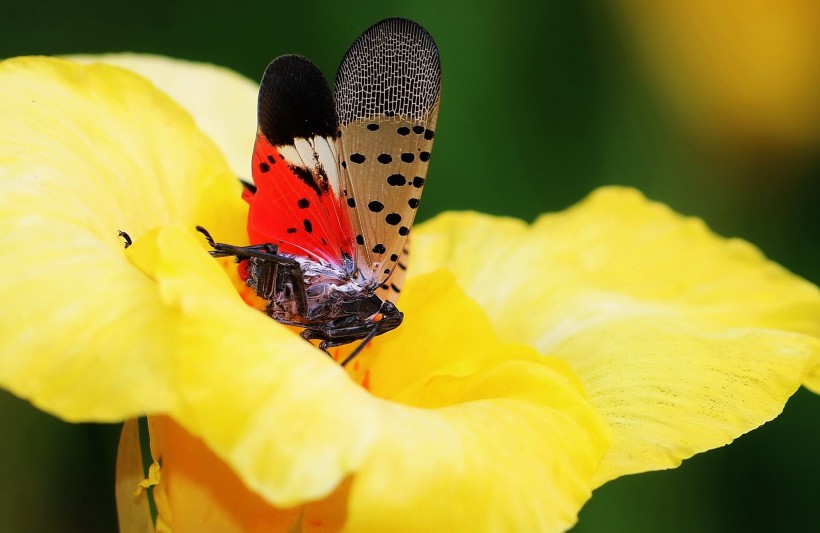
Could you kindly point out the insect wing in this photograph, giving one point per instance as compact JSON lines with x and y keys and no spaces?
{"x":387,"y":98}
{"x":299,"y":201}
{"x":391,"y":287}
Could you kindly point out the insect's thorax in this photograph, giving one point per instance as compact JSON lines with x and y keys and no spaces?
{"x":316,"y":292}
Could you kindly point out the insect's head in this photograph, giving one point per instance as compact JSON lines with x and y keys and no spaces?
{"x":389,"y":317}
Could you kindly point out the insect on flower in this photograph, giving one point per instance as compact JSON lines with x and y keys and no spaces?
{"x":338,"y":176}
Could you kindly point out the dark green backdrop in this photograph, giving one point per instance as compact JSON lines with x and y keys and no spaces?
{"x":543,"y":101}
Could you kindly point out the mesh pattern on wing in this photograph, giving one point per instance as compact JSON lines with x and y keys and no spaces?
{"x":392,"y":69}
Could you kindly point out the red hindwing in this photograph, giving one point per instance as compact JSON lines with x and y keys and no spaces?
{"x":292,"y":209}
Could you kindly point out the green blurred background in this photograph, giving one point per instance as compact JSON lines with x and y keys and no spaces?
{"x":712,"y":109}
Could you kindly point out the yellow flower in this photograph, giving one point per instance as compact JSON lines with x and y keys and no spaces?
{"x":536,"y":361}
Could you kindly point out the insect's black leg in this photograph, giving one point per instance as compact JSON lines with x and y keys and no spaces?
{"x":327,"y":332}
{"x":126,"y":238}
{"x":299,"y":289}
{"x":207,"y":236}
{"x":267,"y":251}
{"x":309,"y":334}
{"x":360,"y":347}
{"x":228,"y":250}
{"x":275,"y":270}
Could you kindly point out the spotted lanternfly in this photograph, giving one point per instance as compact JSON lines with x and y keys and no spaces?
{"x":338,"y":176}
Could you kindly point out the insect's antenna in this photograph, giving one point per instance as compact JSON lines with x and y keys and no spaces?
{"x":207,"y":236}
{"x":360,"y":347}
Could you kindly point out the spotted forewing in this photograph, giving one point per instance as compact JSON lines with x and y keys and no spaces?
{"x":386,"y":96}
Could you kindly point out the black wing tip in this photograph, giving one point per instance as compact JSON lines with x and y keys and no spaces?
{"x":295,"y":101}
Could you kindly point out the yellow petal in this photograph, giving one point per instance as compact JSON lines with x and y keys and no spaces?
{"x":293,"y":427}
{"x":682,"y":340}
{"x":280,"y":412}
{"x":222,"y":102}
{"x":85,"y":152}
{"x":691,"y":386}
{"x":198,"y":492}
{"x":505,"y":439}
{"x":812,"y":381}
{"x":484,"y":466}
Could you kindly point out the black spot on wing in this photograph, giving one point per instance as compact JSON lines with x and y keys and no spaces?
{"x":295,"y":101}
{"x":306,"y":176}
